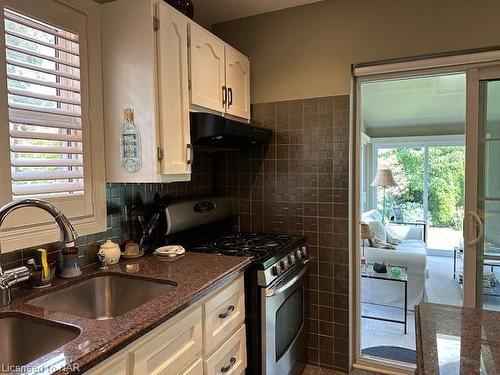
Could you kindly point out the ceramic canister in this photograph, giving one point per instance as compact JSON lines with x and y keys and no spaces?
{"x":111,"y":252}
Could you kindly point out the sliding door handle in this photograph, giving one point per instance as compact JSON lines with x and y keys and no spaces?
{"x":480,"y":229}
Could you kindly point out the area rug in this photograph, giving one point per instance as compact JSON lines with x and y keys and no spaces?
{"x":394,"y":353}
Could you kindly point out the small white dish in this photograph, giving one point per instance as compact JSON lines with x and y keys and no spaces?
{"x":170,"y":251}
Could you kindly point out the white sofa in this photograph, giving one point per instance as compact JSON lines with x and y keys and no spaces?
{"x":410,"y":253}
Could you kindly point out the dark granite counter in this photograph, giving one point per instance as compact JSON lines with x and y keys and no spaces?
{"x":454,"y":340}
{"x":195,"y":274}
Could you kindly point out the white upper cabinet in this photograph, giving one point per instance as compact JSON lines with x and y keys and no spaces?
{"x":175,"y":144}
{"x":220,"y":75}
{"x":161,"y":64}
{"x":238,"y":83}
{"x":145,"y":68}
{"x":207,"y":69}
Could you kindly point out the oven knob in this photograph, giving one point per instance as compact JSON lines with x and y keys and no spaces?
{"x":299,"y":254}
{"x":304,"y":251}
{"x":291,"y":259}
{"x":284,"y":264}
{"x":276,"y":270}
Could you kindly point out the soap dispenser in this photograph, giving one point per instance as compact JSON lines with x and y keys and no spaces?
{"x":70,"y":263}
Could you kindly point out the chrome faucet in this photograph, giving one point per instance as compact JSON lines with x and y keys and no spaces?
{"x":16,"y":275}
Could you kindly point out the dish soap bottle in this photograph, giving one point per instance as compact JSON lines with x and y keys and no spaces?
{"x":130,"y":143}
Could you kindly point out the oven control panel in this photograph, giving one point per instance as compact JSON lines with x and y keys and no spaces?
{"x":298,"y":256}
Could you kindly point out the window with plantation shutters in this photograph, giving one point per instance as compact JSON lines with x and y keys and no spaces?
{"x":44,"y":108}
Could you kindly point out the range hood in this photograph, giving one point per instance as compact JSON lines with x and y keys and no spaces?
{"x":216,"y":133}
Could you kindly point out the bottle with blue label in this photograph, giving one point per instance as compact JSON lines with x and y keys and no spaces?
{"x":130,"y":143}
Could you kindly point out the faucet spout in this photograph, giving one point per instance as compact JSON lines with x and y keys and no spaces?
{"x":68,"y":233}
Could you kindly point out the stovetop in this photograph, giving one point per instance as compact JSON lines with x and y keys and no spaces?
{"x":263,"y":247}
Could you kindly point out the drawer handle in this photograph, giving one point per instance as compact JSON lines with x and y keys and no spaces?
{"x":232,"y":361}
{"x":229,"y":310}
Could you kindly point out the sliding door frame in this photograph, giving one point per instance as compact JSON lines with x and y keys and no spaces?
{"x":470,"y":64}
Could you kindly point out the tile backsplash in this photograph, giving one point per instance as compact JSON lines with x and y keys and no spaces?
{"x":298,"y":184}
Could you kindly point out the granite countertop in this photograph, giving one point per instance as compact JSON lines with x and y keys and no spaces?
{"x":195,"y":274}
{"x":455,"y":340}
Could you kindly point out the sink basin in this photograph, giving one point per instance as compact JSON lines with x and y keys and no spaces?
{"x":23,"y":339}
{"x":103,"y":297}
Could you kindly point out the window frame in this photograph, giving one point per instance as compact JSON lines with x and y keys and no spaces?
{"x":30,"y":226}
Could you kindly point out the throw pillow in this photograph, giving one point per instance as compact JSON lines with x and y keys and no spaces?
{"x":381,"y":244}
{"x":392,"y":236}
{"x":379,"y":229}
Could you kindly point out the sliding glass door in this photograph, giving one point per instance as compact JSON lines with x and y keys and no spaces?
{"x":484,"y":225}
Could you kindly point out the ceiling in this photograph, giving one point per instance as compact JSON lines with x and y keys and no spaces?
{"x":416,"y":106}
{"x":209,"y":12}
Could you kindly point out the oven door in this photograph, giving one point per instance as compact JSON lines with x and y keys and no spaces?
{"x":283,"y":332}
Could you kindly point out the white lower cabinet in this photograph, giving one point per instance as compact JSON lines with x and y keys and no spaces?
{"x":172,"y":350}
{"x":208,"y":338}
{"x":115,"y":365}
{"x":223,"y":314}
{"x":195,"y":368}
{"x":231,"y":357}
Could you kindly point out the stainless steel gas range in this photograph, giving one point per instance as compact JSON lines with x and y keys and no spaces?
{"x":274,"y":284}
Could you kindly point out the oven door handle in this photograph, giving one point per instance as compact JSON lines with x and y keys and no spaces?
{"x":280,"y":289}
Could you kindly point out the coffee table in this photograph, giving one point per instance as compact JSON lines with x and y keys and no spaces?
{"x":369,"y":273}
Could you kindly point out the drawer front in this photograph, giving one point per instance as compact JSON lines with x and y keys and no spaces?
{"x":111,"y":366}
{"x":195,"y":368}
{"x":230,"y":358}
{"x":223,"y":313}
{"x":171,"y":350}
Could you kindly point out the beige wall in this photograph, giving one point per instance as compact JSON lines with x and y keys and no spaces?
{"x":308,"y":51}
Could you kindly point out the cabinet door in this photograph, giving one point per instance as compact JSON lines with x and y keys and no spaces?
{"x":195,"y":368}
{"x":173,"y":95}
{"x":207,"y":69}
{"x":171,"y":351}
{"x":116,"y":365}
{"x":238,"y":83}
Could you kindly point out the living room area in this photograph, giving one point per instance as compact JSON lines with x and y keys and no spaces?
{"x":412,"y":205}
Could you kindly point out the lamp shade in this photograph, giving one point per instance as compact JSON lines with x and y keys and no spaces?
{"x":384,"y":178}
{"x":367,"y":233}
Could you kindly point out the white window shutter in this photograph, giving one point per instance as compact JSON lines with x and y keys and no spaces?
{"x":45,"y":115}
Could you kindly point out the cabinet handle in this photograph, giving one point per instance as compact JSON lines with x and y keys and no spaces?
{"x":229,"y":310}
{"x":189,"y":149}
{"x":224,"y":95}
{"x":231,"y":363}
{"x":230,"y":97}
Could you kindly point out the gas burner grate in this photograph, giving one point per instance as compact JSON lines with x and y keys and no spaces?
{"x":244,"y":244}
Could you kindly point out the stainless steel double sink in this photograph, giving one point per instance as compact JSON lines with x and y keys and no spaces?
{"x":99,"y":297}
